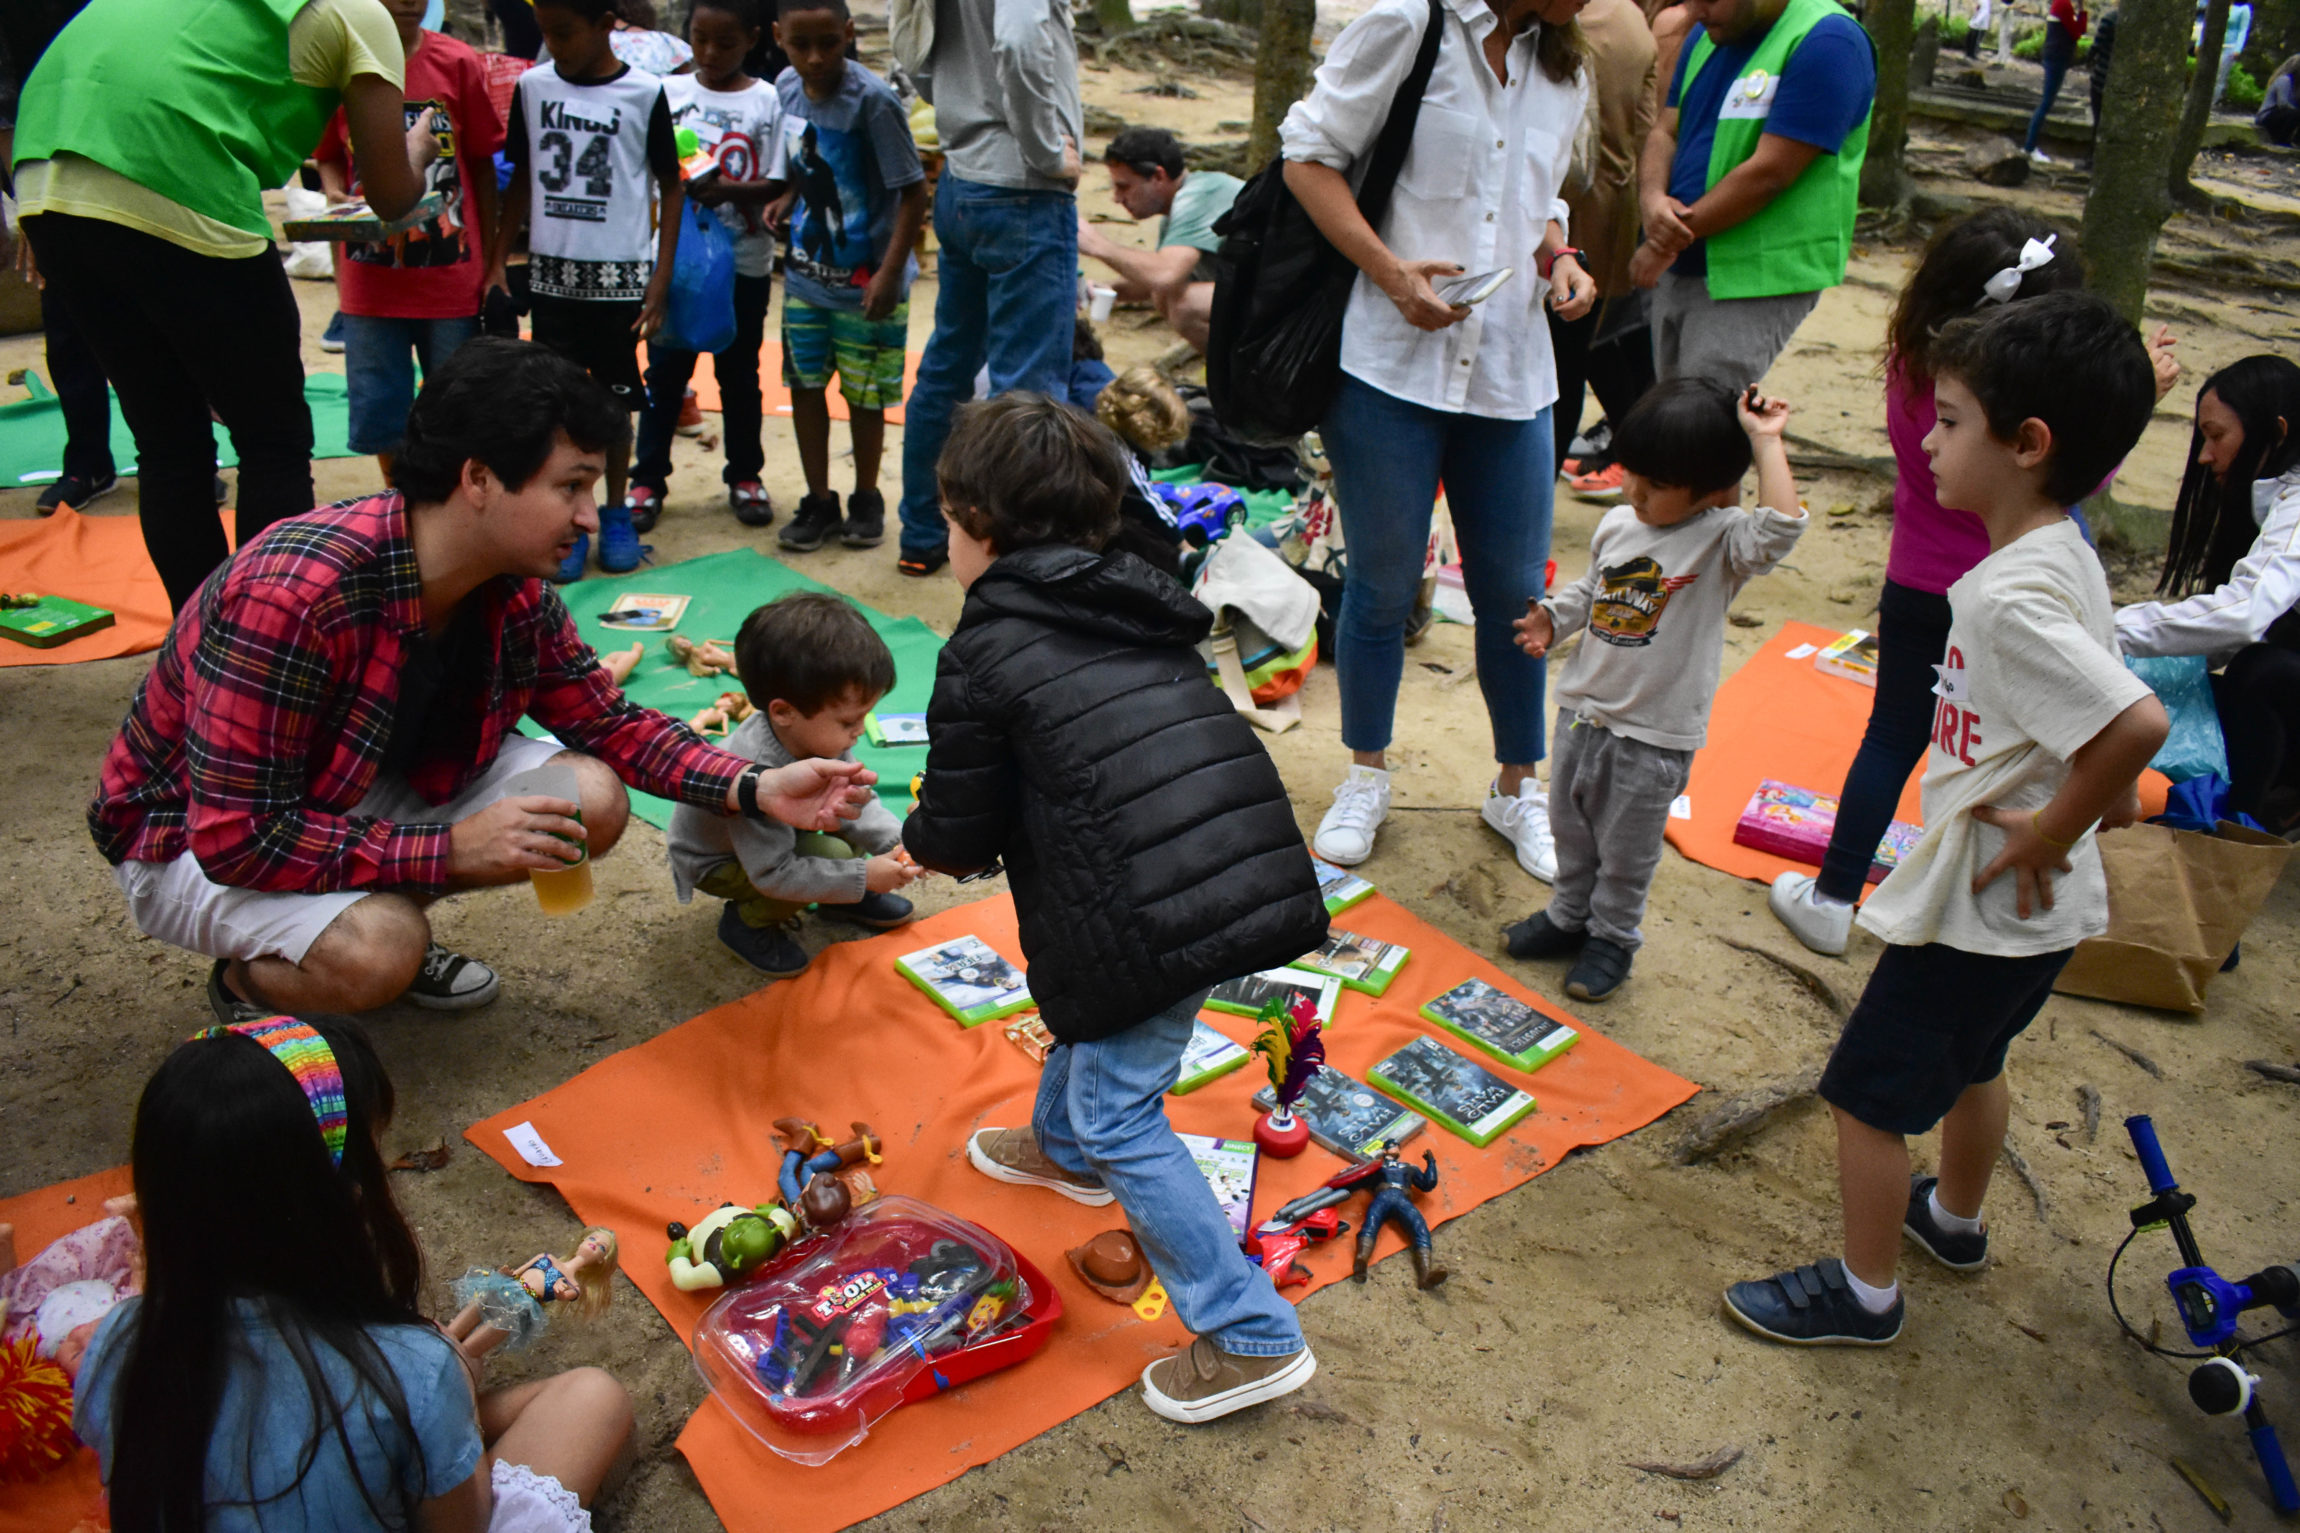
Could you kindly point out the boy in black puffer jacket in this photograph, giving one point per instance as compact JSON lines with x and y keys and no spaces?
{"x":1152,"y":850}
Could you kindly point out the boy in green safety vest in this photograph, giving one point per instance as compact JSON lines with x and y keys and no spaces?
{"x":1749,"y":182}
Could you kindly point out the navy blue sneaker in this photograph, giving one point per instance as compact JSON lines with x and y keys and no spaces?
{"x":1812,"y":1307}
{"x":768,"y":949}
{"x":571,"y":568}
{"x":879,"y":912}
{"x":1963,"y":1253}
{"x":619,"y":547}
{"x":1539,"y":937}
{"x":1600,"y":970}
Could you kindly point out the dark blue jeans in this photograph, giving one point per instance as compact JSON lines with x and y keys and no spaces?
{"x":742,"y":407}
{"x":2059,"y":53}
{"x":1912,"y":635}
{"x":1009,"y":290}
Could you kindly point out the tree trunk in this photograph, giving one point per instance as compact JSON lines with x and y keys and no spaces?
{"x":2197,"y":111}
{"x":2275,"y":37}
{"x":467,"y":21}
{"x":1242,"y":13}
{"x":1281,"y":72}
{"x":2131,"y":192}
{"x":1115,"y":16}
{"x":1884,"y":174}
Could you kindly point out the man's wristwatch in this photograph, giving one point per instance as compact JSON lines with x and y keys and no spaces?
{"x":1549,"y":262}
{"x":747,"y":791}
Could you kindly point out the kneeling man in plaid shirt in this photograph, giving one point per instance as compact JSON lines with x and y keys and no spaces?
{"x":323,"y":746}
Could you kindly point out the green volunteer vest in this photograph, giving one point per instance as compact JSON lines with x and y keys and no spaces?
{"x":1800,"y":241}
{"x":190,"y":98}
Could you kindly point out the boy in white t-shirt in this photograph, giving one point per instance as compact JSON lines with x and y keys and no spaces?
{"x":2039,"y":735}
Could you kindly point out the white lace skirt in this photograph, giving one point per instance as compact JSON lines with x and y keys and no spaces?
{"x":527,"y":1502}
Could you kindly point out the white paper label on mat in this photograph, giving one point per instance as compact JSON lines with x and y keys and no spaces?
{"x":530,"y":1145}
{"x":1681,"y":807}
{"x":1802,"y":650}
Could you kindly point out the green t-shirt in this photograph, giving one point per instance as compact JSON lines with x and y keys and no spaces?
{"x":1203,"y":196}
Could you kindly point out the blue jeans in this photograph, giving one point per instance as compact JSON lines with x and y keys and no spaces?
{"x":1389,"y":458}
{"x":380,"y":357}
{"x":1102,"y":1112}
{"x":1009,"y":292}
{"x":2059,"y":53}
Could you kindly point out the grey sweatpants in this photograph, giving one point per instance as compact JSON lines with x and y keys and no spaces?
{"x":1609,"y":800}
{"x":1733,"y":341}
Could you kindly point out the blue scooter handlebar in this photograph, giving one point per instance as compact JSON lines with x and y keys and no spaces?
{"x":2143,"y":1132}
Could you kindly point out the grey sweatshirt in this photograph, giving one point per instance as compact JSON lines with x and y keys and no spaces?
{"x":1003,"y":78}
{"x":700,"y":840}
{"x":1654,"y":603}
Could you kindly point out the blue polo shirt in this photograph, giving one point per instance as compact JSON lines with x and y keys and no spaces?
{"x":1825,"y":90}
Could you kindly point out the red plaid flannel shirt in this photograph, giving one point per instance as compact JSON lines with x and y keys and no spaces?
{"x":264,"y":722}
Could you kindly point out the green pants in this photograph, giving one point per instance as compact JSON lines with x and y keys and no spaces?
{"x":728,"y":882}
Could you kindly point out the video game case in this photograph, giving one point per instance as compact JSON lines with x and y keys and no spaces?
{"x":895,"y":728}
{"x":1364,"y":964}
{"x":1457,"y":1092}
{"x":967,"y":978}
{"x":1339,"y":886}
{"x":1209,"y":1055}
{"x":1230,"y":1167}
{"x":1852,"y":655}
{"x":1246,"y":995}
{"x":1500,"y":1024}
{"x":359,"y":223}
{"x":47,"y":621}
{"x":1345,"y":1116}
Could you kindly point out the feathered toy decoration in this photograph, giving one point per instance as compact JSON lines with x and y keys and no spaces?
{"x":35,"y":1413}
{"x":1290,"y":1044}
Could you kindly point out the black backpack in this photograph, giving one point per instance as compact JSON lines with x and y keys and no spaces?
{"x":1274,"y":354}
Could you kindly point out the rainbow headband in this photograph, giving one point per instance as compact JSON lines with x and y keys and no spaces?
{"x":311,"y":1062}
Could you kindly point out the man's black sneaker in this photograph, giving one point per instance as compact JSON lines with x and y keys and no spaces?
{"x":71,"y":490}
{"x":816,"y":520}
{"x":880,"y":912}
{"x":920,"y":563}
{"x":1964,"y":1253}
{"x":448,"y":981}
{"x":866,"y":520}
{"x":231,"y":1009}
{"x":1812,"y":1307}
{"x":768,"y":949}
{"x":1538,"y":937}
{"x":1599,"y":971}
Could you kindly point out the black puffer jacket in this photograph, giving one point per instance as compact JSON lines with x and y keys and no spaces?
{"x":1149,"y":839}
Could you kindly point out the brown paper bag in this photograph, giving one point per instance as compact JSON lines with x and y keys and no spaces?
{"x":2178,"y":900}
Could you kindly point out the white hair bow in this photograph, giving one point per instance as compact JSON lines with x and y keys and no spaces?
{"x":2002,"y":287}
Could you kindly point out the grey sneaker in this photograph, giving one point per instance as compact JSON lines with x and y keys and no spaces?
{"x":1202,"y":1382}
{"x":448,"y":981}
{"x":1013,"y":1155}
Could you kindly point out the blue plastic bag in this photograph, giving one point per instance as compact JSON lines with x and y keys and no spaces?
{"x":2200,"y":804}
{"x":2183,"y":684}
{"x":699,"y":313}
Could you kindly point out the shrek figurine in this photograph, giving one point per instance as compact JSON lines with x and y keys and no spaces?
{"x":726,"y":1244}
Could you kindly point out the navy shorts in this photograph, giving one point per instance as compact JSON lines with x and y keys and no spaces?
{"x":1932,"y":1021}
{"x":597,"y":334}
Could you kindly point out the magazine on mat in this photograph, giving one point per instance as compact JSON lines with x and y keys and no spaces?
{"x":966,"y":977}
{"x":1365,"y":964}
{"x":1459,"y":1093}
{"x":1500,"y":1024}
{"x":1229,"y":1166}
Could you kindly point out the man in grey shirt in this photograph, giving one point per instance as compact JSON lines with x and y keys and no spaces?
{"x":1003,"y":77}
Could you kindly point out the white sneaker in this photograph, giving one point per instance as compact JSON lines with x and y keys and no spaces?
{"x":1346,"y":835}
{"x":1524,"y":822}
{"x":1822,"y":925}
{"x":2039,"y":157}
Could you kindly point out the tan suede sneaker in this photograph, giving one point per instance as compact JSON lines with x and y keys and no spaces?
{"x":1013,"y":1155}
{"x":1202,"y":1381}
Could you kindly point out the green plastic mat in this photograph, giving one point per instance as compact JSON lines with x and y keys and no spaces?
{"x":32,"y":431}
{"x":722,"y":590}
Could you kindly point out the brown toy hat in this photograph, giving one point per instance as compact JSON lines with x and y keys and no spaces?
{"x":1112,"y":1265}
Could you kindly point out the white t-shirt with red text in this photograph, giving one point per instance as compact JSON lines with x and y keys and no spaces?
{"x":2030,"y":676}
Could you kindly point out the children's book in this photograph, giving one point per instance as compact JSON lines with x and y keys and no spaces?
{"x":359,"y":222}
{"x":1366,"y":964}
{"x":644,"y":612}
{"x":1346,"y":1116}
{"x":895,"y":728}
{"x":1207,"y":1056}
{"x":1459,"y":1093}
{"x":1229,"y":1167}
{"x":1795,"y":823}
{"x":966,"y":977}
{"x":47,"y":621}
{"x":1500,"y":1024}
{"x":1340,"y":886}
{"x":1249,"y":993}
{"x":1852,"y":656}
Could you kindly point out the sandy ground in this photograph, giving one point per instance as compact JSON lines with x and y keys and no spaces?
{"x":1581,"y":1330}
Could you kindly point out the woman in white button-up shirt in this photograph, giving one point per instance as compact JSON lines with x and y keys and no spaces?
{"x":1434,"y":392}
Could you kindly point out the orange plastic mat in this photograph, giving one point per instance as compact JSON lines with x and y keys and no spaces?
{"x":680,"y":1124}
{"x":60,"y":1501}
{"x":99,"y":560}
{"x":776,"y":398}
{"x":1779,"y":718}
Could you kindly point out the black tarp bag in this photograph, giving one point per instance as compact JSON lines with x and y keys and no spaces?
{"x":1274,"y":351}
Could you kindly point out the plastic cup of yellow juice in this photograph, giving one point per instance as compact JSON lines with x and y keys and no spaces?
{"x":564,"y":891}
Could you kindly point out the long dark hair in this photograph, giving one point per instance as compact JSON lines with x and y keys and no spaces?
{"x":240,"y":1201}
{"x":1949,"y":282}
{"x":1560,"y":51}
{"x":2212,"y":524}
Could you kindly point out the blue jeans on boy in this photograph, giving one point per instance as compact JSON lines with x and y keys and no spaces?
{"x":1102,"y":1112}
{"x":1009,"y":292}
{"x":1389,"y":458}
{"x":380,"y":357}
{"x":742,"y":407}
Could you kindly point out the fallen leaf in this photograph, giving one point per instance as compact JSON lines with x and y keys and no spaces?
{"x":2014,"y":1504}
{"x":423,"y":1160}
{"x":1700,"y":1469}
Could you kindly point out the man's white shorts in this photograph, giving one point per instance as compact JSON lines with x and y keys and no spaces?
{"x":177,"y":903}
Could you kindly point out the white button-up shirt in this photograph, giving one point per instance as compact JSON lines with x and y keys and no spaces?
{"x":1478,"y":188}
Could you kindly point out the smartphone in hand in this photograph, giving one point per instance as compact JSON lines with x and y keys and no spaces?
{"x":1464,"y":292}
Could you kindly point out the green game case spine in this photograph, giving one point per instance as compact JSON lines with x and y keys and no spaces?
{"x":1336,"y":904}
{"x":974,"y":1018}
{"x":1530,"y":1061}
{"x":1190,"y":1083}
{"x":1374,"y":984}
{"x":1459,"y":1128}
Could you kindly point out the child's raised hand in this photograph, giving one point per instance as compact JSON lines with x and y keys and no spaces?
{"x":890,"y":871}
{"x":2026,"y":854}
{"x":2162,"y":362}
{"x":1536,"y":631}
{"x":1761,"y":417}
